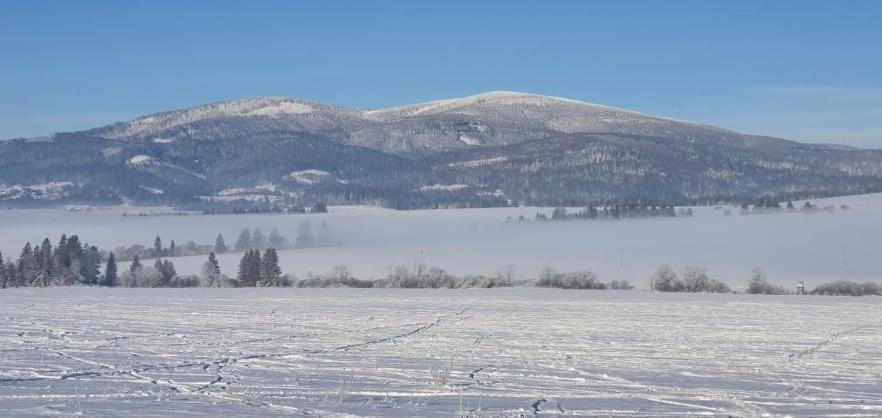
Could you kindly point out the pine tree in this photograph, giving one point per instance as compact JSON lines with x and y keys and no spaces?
{"x":245,"y":269}
{"x":254,"y":267}
{"x":211,"y":274}
{"x":270,"y":273}
{"x":136,"y":264}
{"x":157,"y":264}
{"x":3,"y":278}
{"x":157,"y":247}
{"x":242,"y":275}
{"x":73,"y":252}
{"x":304,"y":239}
{"x":249,"y":269}
{"x":244,"y":241}
{"x":61,"y":253}
{"x":276,"y":240}
{"x":46,"y":265}
{"x":27,"y":266}
{"x":171,"y":248}
{"x":10,"y":274}
{"x":110,"y":278}
{"x":219,"y":245}
{"x":167,"y":270}
{"x":559,"y":213}
{"x":258,"y":240}
{"x":90,"y":265}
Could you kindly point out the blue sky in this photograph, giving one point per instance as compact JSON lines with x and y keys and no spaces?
{"x":799,"y":69}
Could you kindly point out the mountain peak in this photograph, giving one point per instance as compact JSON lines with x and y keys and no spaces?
{"x":502,"y":103}
{"x":524,"y":148}
{"x":245,"y":107}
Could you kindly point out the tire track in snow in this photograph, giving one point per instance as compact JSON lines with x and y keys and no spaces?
{"x":797,"y":386}
{"x":105,"y":369}
{"x":412,"y":332}
{"x":827,"y":341}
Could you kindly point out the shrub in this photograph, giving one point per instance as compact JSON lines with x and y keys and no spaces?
{"x":695,"y":279}
{"x":142,"y":277}
{"x":757,"y":284}
{"x":340,"y":276}
{"x":665,"y":280}
{"x":184,"y":281}
{"x":582,"y":279}
{"x":422,"y":276}
{"x":848,"y":288}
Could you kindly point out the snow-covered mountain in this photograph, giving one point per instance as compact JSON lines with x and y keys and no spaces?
{"x":498,"y":147}
{"x":537,"y":113}
{"x":233,"y":118}
{"x":495,"y":118}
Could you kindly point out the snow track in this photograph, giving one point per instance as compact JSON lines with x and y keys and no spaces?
{"x":489,"y":352}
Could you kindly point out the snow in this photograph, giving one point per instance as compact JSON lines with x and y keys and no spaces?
{"x":530,"y":116}
{"x":163,"y":141}
{"x":493,"y":98}
{"x":494,"y":118}
{"x":281,"y":108}
{"x":308,"y":176}
{"x":238,"y":197}
{"x":148,"y":161}
{"x":110,"y":151}
{"x":184,"y":170}
{"x":46,"y":191}
{"x":140,"y":160}
{"x":261,"y":189}
{"x":488,"y":352}
{"x":477,"y":163}
{"x":465,"y":139}
{"x":52,"y":186}
{"x":152,"y":190}
{"x":494,"y":193}
{"x":444,"y":187}
{"x":262,"y":106}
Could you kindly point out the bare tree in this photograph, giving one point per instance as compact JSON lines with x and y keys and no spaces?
{"x":664,"y":279}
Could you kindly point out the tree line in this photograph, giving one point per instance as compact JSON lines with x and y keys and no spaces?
{"x":626,"y":211}
{"x":71,"y":262}
{"x":67,"y":263}
{"x":248,"y":239}
{"x":770,"y":205}
{"x":694,"y":279}
{"x":281,"y":204}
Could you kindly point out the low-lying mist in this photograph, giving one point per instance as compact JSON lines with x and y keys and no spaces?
{"x":815,"y":248}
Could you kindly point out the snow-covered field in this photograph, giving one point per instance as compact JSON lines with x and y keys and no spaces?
{"x":490,"y":352}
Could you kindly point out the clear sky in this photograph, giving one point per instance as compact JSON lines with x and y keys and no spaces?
{"x":807,"y":70}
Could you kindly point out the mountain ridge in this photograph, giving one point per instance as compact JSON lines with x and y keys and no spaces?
{"x":541,"y":149}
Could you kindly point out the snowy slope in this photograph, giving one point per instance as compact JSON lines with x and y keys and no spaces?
{"x":485,"y":119}
{"x":252,"y":114}
{"x":554,"y":113}
{"x":538,"y":149}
